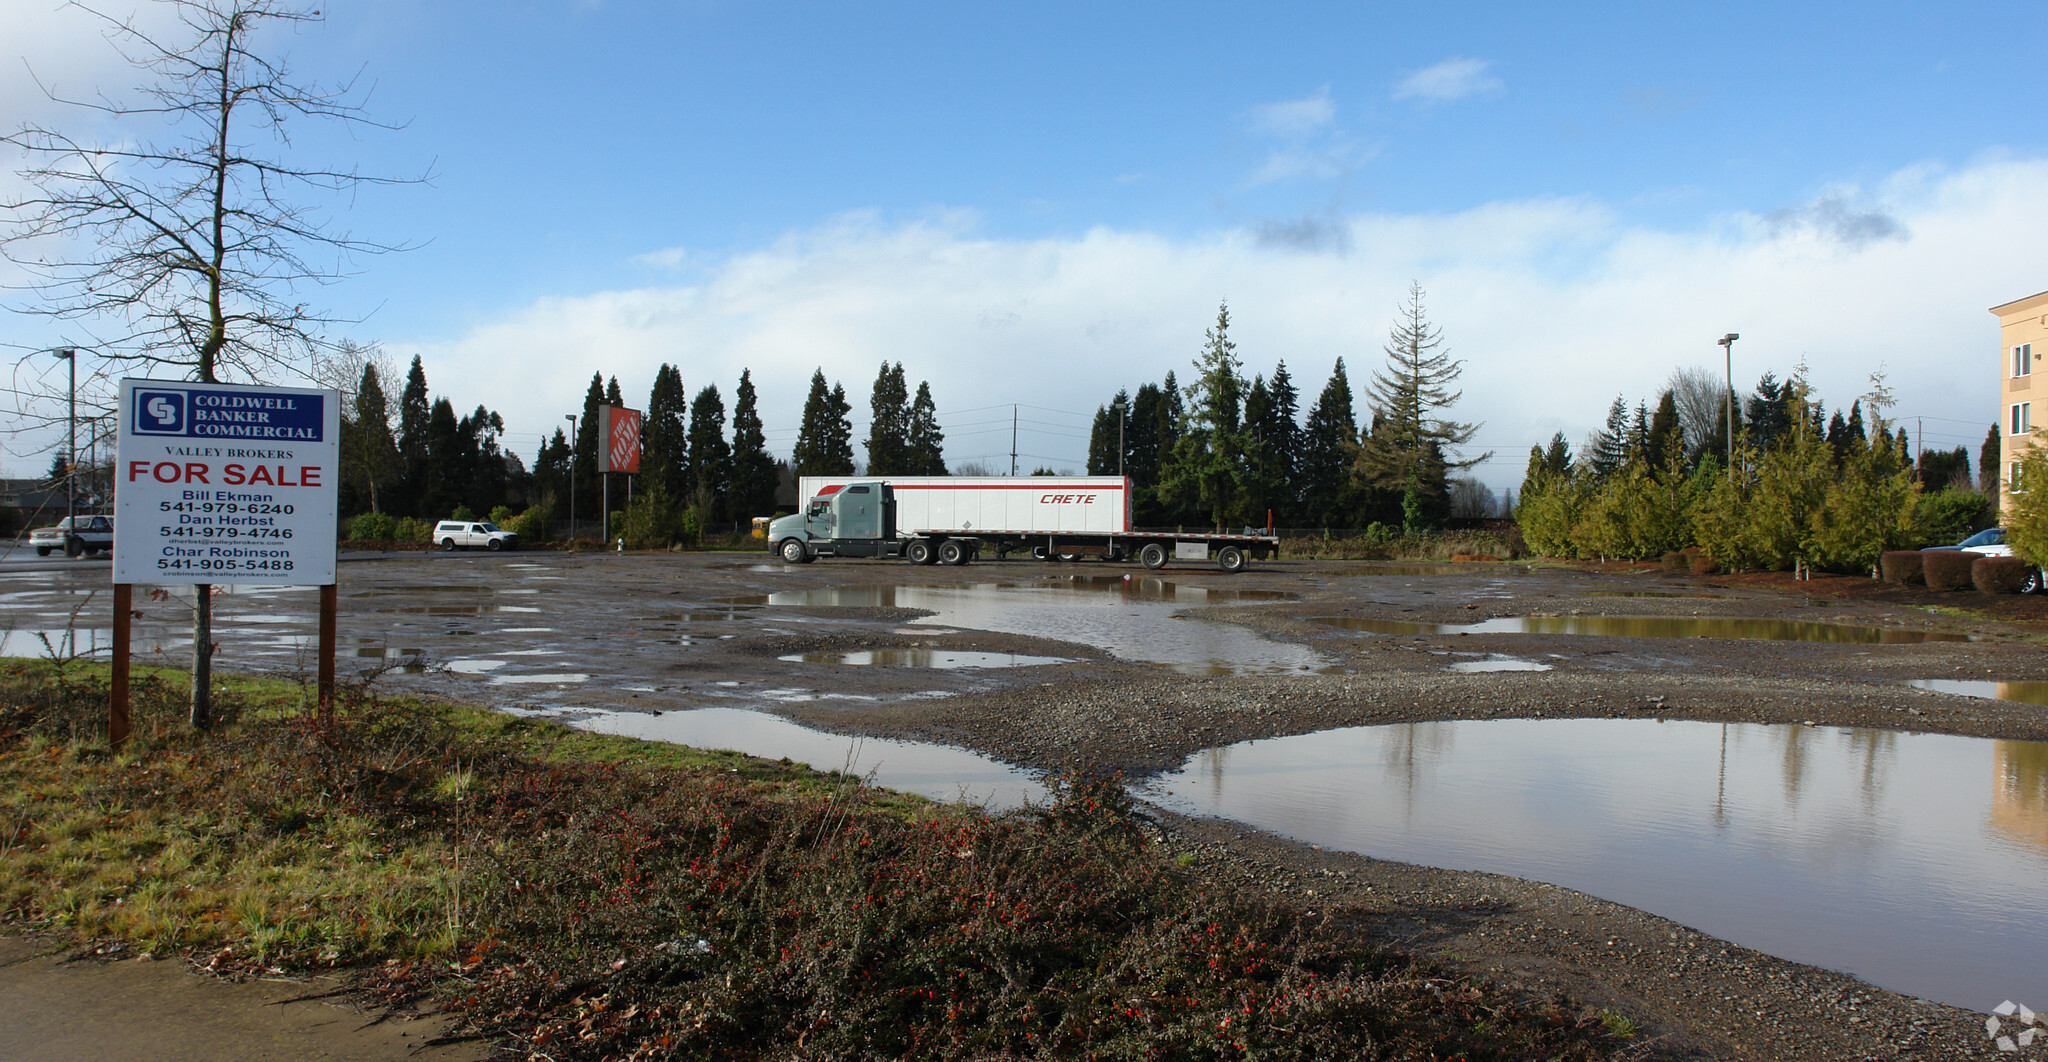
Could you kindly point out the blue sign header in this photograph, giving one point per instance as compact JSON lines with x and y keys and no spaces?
{"x":202,"y":412}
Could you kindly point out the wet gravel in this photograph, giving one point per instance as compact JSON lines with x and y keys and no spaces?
{"x":637,"y":626}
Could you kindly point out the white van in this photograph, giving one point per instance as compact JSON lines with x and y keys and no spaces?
{"x":464,"y":534}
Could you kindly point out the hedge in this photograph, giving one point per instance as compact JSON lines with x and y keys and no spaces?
{"x":2000,"y":575}
{"x":1946,"y":569}
{"x":1901,"y":567}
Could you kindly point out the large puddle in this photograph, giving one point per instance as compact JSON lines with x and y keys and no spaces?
{"x":939,"y":772}
{"x":1914,"y":861}
{"x":943,"y":659}
{"x":1655,"y":627}
{"x":1131,"y":617}
{"x":2024,"y":692}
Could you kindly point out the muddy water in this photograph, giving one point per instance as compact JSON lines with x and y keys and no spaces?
{"x":939,"y":772}
{"x":1914,"y":861}
{"x":1132,"y":617}
{"x":1656,"y":627}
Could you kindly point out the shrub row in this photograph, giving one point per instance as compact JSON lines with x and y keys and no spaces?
{"x":1947,"y":569}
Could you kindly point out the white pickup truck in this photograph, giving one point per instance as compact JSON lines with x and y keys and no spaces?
{"x":74,"y":535}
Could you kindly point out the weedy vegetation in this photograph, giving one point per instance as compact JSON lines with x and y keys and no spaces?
{"x":576,"y":896}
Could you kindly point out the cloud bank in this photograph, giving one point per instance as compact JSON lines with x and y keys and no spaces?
{"x":1452,"y":79}
{"x":1555,"y":306}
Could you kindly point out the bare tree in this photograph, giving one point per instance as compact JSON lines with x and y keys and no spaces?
{"x":190,"y":242}
{"x":1701,"y":396}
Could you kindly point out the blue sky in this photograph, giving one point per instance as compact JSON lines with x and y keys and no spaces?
{"x":1040,"y":204}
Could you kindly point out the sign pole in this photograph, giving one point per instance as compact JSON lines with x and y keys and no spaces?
{"x":117,"y":688}
{"x":327,"y":639}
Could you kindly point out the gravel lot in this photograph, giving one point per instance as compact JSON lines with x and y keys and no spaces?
{"x":679,"y":631}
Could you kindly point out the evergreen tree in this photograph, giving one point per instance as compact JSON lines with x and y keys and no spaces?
{"x":612,"y":395}
{"x":1665,"y":430}
{"x":1326,"y":444}
{"x":414,"y":460}
{"x":1988,"y":458}
{"x":1558,"y":458}
{"x":1279,"y":429}
{"x":753,"y":471}
{"x":551,"y":474}
{"x":1406,"y":451}
{"x":664,"y":435}
{"x":1110,"y":430}
{"x":1768,"y":415}
{"x":824,"y":442}
{"x":370,"y":453}
{"x":710,"y":457}
{"x":1213,"y":458}
{"x":1639,"y":434}
{"x":448,"y":467}
{"x":889,"y":427}
{"x":487,"y":477}
{"x":586,"y":455}
{"x":925,"y":440}
{"x":1607,"y":450}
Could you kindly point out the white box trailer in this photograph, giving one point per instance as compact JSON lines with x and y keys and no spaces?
{"x":954,"y":519}
{"x":1019,"y":504}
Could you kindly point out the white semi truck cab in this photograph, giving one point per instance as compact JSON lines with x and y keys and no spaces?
{"x":952,"y":520}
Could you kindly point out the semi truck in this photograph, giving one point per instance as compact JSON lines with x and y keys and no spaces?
{"x":955,"y":519}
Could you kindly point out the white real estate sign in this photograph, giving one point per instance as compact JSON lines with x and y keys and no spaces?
{"x":219,"y":483}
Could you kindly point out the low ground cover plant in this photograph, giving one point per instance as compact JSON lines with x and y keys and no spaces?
{"x":584,"y":897}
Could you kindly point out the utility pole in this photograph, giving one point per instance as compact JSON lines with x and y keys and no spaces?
{"x":1013,"y":439}
{"x":1728,"y":352}
{"x":571,"y":418}
{"x":70,"y":356}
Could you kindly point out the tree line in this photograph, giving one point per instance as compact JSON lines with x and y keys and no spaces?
{"x":1796,"y":485}
{"x":1230,"y":451}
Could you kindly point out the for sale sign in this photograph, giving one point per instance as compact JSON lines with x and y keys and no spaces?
{"x":218,"y":483}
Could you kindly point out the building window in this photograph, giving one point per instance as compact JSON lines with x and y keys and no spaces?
{"x":2022,"y":418}
{"x":2023,"y":360}
{"x":2012,"y":481}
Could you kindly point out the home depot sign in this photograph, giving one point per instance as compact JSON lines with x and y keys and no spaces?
{"x":621,"y":436}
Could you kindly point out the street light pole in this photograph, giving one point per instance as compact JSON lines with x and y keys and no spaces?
{"x":1121,"y":409}
{"x":70,"y":356}
{"x":1728,"y":358}
{"x":571,"y":418}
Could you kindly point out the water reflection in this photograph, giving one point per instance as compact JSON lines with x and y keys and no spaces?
{"x":2024,"y":692}
{"x":1879,"y":853}
{"x":939,"y":772}
{"x":1655,"y":627}
{"x":1130,"y":616}
{"x":944,"y":659}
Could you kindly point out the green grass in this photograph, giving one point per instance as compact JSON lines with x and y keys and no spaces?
{"x":585,"y":896}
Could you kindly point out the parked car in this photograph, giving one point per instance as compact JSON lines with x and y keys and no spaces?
{"x":467,"y":534}
{"x":74,"y":535}
{"x":1990,"y":542}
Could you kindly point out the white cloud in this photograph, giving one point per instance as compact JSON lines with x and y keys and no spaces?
{"x":1294,"y":119}
{"x":666,"y":258}
{"x":1554,"y":305}
{"x":1452,"y":79}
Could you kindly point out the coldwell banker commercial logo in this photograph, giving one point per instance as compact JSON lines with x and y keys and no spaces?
{"x":2011,"y":1026}
{"x":206,"y":413}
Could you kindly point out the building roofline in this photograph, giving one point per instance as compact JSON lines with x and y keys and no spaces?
{"x":2031,"y":302}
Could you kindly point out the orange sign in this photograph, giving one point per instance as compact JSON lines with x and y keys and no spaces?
{"x":621,"y":439}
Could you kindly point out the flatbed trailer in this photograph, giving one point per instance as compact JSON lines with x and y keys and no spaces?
{"x":1074,"y":516}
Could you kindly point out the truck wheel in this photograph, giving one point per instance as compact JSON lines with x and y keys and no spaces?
{"x":1039,"y":553}
{"x":494,"y":545}
{"x":1230,"y":559}
{"x":793,"y":552}
{"x":448,"y":545}
{"x":1153,"y":556}
{"x":2037,"y":581}
{"x":918,"y":551}
{"x":42,"y":551}
{"x":952,"y":552}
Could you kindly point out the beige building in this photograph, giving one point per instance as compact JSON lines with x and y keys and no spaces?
{"x":2023,"y":339}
